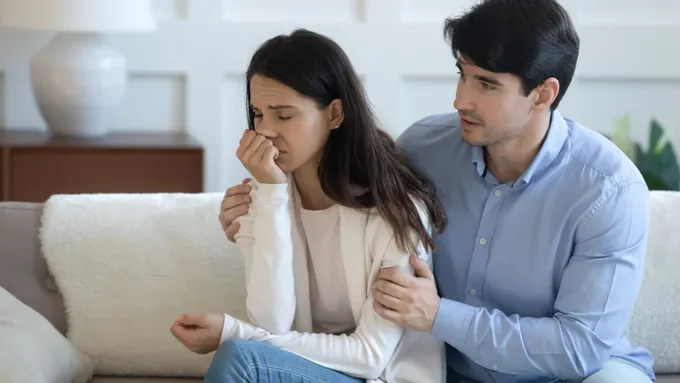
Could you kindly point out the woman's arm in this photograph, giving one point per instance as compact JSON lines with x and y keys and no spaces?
{"x":364,"y":353}
{"x":264,"y":238}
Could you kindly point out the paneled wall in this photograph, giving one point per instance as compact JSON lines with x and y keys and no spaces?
{"x":188,"y":75}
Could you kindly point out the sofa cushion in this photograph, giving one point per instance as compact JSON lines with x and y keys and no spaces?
{"x":32,"y":350}
{"x":117,"y":379}
{"x":23,"y":271}
{"x":668,"y":378}
{"x":129,"y":265}
{"x":654,"y":323}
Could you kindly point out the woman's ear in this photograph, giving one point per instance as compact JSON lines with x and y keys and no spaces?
{"x":336,"y":114}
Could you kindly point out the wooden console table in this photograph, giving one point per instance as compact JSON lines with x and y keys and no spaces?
{"x":36,"y":164}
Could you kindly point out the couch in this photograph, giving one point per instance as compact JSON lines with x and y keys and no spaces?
{"x":25,"y":273}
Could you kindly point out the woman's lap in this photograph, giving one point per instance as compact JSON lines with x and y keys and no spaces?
{"x":250,"y":361}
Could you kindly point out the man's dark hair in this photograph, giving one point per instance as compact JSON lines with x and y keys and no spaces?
{"x":532,"y":39}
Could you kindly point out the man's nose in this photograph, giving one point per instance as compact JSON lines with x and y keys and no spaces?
{"x":461,"y":102}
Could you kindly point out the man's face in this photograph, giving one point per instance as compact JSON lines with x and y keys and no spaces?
{"x":492,"y":106}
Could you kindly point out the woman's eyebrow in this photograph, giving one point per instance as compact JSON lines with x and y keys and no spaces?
{"x":274,"y":107}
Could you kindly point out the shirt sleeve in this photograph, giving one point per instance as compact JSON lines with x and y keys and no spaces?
{"x":264,"y":239}
{"x":364,"y":353}
{"x":596,"y":298}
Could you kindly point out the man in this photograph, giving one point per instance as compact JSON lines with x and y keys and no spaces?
{"x":539,"y":268}
{"x":541,"y":264}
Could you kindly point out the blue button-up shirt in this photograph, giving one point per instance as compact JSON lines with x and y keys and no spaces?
{"x":538,"y":277}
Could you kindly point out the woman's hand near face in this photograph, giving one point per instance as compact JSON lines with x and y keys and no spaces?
{"x":257,"y":154}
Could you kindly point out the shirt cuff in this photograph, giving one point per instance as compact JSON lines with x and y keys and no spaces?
{"x":226,"y":329}
{"x":272,"y":193}
{"x":272,"y":188}
{"x":453,"y":322}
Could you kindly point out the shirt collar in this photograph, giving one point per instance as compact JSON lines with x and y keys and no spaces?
{"x":554,"y":141}
{"x":478,"y":160}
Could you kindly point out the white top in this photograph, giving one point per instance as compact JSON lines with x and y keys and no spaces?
{"x":277,"y":264}
{"x":331,"y":310}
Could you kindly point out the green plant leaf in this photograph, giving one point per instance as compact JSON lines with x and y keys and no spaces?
{"x":661,"y":160}
{"x":654,"y":182}
{"x":621,"y":136}
{"x":642,"y":160}
{"x":659,"y":163}
{"x":657,"y":138}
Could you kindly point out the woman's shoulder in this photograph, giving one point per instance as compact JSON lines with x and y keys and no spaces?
{"x":377,"y":221}
{"x":380,"y":234}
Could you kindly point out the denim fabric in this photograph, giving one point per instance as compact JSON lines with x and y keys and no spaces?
{"x":242,"y":361}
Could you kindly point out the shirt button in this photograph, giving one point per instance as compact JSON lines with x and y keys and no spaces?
{"x":497,"y":193}
{"x":482,"y":241}
{"x":494,"y":367}
{"x":473,"y":292}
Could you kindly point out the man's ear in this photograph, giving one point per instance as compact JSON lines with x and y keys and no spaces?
{"x":336,"y":114}
{"x":545,"y":94}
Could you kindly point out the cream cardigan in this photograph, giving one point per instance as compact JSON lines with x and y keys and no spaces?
{"x":275,"y":253}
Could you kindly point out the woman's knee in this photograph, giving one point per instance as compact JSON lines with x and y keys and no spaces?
{"x":231,"y":362}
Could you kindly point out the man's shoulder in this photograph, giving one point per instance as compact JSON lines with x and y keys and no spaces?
{"x":596,"y":154}
{"x":449,"y":119}
{"x":431,"y":131}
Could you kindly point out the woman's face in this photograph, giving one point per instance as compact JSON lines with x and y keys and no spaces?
{"x":294,"y":123}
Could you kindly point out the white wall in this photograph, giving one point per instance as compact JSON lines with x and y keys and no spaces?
{"x":187,"y":76}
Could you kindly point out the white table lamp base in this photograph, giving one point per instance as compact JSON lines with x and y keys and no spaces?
{"x":78,"y":82}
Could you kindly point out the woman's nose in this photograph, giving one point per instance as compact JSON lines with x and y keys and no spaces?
{"x":266,"y":130}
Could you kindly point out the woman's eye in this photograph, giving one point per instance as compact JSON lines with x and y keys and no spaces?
{"x":284,"y":118}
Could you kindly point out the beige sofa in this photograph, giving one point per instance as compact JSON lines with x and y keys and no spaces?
{"x":24,"y":273}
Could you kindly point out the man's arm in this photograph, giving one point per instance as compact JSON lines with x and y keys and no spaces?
{"x":595,"y":300}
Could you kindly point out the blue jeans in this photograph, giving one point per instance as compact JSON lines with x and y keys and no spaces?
{"x":242,"y":361}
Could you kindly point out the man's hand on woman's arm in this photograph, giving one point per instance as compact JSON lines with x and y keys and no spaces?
{"x":234,"y":204}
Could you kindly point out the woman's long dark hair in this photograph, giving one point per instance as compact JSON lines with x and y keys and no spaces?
{"x":358,"y":153}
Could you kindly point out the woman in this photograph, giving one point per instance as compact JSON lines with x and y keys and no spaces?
{"x":333,"y":202}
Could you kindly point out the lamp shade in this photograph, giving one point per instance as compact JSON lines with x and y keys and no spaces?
{"x":79,"y":15}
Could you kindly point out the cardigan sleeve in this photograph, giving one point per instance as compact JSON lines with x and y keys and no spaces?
{"x":364,"y":353}
{"x":265,"y":243}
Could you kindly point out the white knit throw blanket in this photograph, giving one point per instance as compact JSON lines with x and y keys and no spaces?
{"x":128,"y":265}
